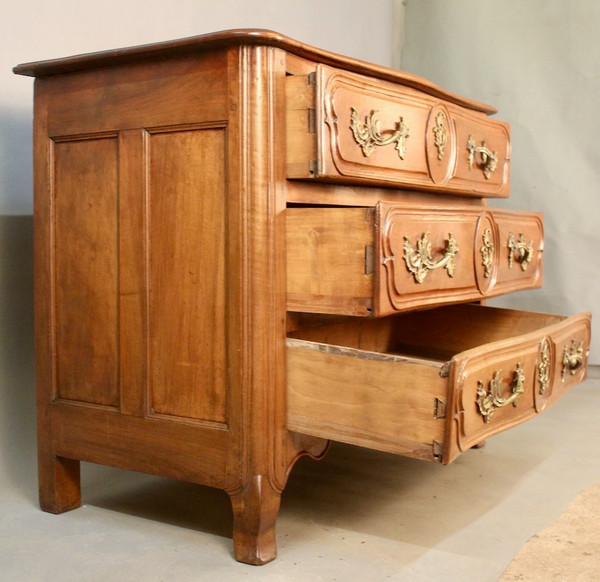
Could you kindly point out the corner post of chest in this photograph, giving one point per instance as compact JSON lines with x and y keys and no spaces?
{"x":258,"y":189}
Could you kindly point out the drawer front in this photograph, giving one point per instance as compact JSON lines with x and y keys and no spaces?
{"x":520,"y":244}
{"x":434,"y":256}
{"x":392,"y":258}
{"x":392,"y":384}
{"x":349,"y":128}
{"x":424,"y":257}
{"x":505,"y":383}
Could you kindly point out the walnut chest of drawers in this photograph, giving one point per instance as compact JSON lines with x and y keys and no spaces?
{"x":246,"y":247}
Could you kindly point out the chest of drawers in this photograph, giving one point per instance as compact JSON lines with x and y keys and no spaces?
{"x":231,"y":228}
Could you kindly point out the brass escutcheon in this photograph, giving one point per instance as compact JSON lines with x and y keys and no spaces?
{"x":440,"y":132}
{"x":544,"y":367}
{"x":487,"y":253}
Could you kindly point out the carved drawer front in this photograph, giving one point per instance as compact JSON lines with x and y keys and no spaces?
{"x":390,"y":258}
{"x":344,"y":127}
{"x":434,"y":383}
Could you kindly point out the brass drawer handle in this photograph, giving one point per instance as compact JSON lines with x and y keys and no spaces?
{"x":368,"y":135}
{"x":572,"y":358}
{"x":523,"y":250}
{"x":490,"y":400}
{"x":420,"y":262}
{"x":489,"y":159}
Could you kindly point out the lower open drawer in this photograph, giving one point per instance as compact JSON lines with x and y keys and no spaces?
{"x":430,"y":384}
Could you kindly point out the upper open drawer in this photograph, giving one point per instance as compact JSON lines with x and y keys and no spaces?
{"x":344,"y":127}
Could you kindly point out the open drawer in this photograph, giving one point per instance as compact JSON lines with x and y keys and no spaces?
{"x":430,"y":384}
{"x":347,"y":128}
{"x":397,"y":257}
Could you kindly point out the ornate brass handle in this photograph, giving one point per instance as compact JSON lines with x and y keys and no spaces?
{"x":572,"y":358}
{"x":490,"y":400}
{"x":368,"y":135}
{"x":420,"y":262}
{"x":523,"y":249}
{"x":489,"y":159}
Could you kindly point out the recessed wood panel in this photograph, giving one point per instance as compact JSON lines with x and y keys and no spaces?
{"x":187,"y":326}
{"x":85,"y":202}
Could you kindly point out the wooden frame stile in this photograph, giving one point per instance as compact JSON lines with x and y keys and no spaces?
{"x":59,"y":477}
{"x":268,"y":450}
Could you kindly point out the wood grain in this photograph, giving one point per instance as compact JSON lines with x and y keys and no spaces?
{"x":85,"y":200}
{"x":410,"y":384}
{"x":187,"y":327}
{"x":170,"y":248}
{"x":364,"y":398}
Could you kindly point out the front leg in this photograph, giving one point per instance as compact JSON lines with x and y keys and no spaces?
{"x":255,"y":509}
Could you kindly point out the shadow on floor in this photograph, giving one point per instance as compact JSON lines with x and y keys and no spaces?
{"x":355,"y":489}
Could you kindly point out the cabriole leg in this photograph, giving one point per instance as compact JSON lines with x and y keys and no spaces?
{"x":255,"y":510}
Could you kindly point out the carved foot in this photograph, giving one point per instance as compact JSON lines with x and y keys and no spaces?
{"x":255,"y":510}
{"x":59,"y":484}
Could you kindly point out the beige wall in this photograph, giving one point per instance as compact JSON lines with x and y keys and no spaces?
{"x":538,"y":63}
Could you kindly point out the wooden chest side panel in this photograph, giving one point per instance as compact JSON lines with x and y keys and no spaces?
{"x":85,"y":281}
{"x":174,"y":91}
{"x":187,"y":296}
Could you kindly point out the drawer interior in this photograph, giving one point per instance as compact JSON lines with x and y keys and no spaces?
{"x":434,"y":334}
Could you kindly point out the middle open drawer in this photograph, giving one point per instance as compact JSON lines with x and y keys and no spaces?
{"x":390,"y":258}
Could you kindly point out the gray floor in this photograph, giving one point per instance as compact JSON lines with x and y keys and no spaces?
{"x":358,"y":515}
